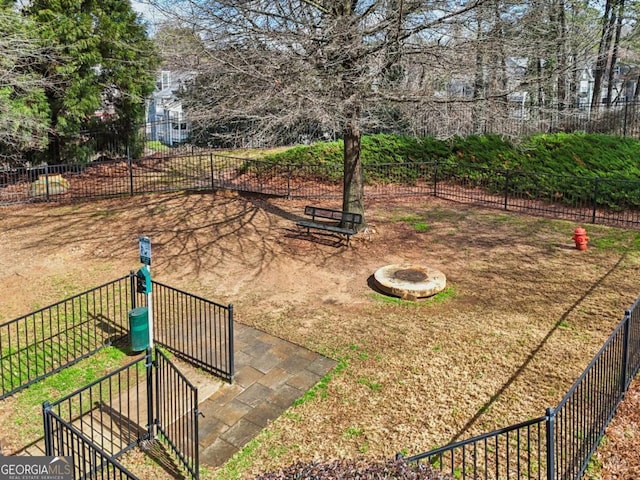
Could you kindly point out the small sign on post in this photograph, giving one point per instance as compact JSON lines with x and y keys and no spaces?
{"x":145,"y":250}
{"x":145,"y":258}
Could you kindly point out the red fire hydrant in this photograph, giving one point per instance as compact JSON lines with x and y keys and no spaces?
{"x":580,"y":237}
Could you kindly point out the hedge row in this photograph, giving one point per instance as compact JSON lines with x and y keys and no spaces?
{"x":571,"y":168}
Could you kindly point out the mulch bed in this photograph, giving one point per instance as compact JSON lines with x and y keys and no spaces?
{"x":618,"y":457}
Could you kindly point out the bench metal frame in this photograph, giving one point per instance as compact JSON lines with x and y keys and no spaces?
{"x":330,"y":220}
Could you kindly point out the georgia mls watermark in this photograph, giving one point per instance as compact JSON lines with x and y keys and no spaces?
{"x":36,"y":468}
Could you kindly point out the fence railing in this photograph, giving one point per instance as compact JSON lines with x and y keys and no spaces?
{"x":148,"y":399}
{"x":558,"y":445}
{"x":112,"y":412}
{"x":607,"y":201}
{"x":193,"y":328}
{"x":64,"y":440}
{"x":515,"y":452}
{"x":41,"y":343}
{"x":176,"y":413}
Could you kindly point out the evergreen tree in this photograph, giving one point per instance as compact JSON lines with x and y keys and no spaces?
{"x":24,"y":117}
{"x":106,"y":61}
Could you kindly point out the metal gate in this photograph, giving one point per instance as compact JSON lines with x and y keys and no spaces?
{"x":144,"y":400}
{"x":193,"y":328}
{"x":176,"y":409}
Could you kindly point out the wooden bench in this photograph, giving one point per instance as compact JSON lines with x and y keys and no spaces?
{"x":334,"y":221}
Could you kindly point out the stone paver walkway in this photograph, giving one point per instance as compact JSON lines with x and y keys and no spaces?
{"x":270,"y":374}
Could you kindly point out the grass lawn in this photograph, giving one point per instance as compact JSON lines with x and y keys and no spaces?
{"x":523,"y":314}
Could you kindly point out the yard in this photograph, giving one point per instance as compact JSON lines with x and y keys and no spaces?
{"x":523,"y":314}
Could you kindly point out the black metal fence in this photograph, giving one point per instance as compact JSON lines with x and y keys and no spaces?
{"x":193,"y":328}
{"x":176,"y":413}
{"x":558,"y":445}
{"x":515,"y":452}
{"x":43,"y":342}
{"x":111,"y":413}
{"x":146,"y":400}
{"x":447,"y":119}
{"x":606,"y":201}
{"x":89,"y":460}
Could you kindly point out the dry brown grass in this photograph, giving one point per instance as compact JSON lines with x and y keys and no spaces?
{"x":525,"y":312}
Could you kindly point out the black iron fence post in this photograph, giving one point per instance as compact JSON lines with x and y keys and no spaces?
{"x":130,"y":166}
{"x":435,"y":178}
{"x":288,"y":182}
{"x":48,"y":427}
{"x":230,"y":349}
{"x":46,"y":181}
{"x":625,"y":352}
{"x":596,"y":182}
{"x":196,"y":444}
{"x":551,"y":467}
{"x":213,"y":180}
{"x":149,"y":364}
{"x":506,"y":189}
{"x":132,"y":286}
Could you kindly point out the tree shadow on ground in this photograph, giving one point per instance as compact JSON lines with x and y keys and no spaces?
{"x":532,"y":355}
{"x":189,"y":228}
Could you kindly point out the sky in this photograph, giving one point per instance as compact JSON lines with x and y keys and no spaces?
{"x":149,"y":14}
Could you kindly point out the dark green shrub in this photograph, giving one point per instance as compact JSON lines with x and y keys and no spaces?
{"x":574,"y":168}
{"x":484,"y":150}
{"x":376,"y":149}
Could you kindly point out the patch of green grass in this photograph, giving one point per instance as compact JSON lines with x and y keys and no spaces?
{"x":614,"y":240}
{"x":594,"y":469}
{"x":28,"y":402}
{"x":320,"y":388}
{"x":363,"y":447}
{"x":564,"y":325}
{"x":446,"y":294}
{"x":391,"y":300}
{"x":416,"y":222}
{"x":294,"y":416}
{"x":374,"y":386}
{"x":352,"y":432}
{"x":277,"y":451}
{"x":156,"y":146}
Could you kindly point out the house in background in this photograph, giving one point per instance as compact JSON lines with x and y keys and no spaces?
{"x":166,"y":122}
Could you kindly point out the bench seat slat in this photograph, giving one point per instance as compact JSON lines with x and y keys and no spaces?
{"x":343,"y":223}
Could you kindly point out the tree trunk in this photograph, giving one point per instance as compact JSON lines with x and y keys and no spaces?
{"x":614,"y":54}
{"x":353,"y":188}
{"x":602,"y":62}
{"x":561,"y":55}
{"x":478,"y":84}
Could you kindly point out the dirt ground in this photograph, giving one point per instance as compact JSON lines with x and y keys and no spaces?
{"x":524,"y":313}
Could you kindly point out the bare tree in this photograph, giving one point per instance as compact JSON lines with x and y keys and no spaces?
{"x":275,"y":66}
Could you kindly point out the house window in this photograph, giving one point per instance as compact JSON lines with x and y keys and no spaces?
{"x":165,"y":78}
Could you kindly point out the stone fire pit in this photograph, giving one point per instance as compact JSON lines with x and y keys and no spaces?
{"x":409,"y":282}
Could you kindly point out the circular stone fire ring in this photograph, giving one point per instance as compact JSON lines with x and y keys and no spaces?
{"x":409,"y":282}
